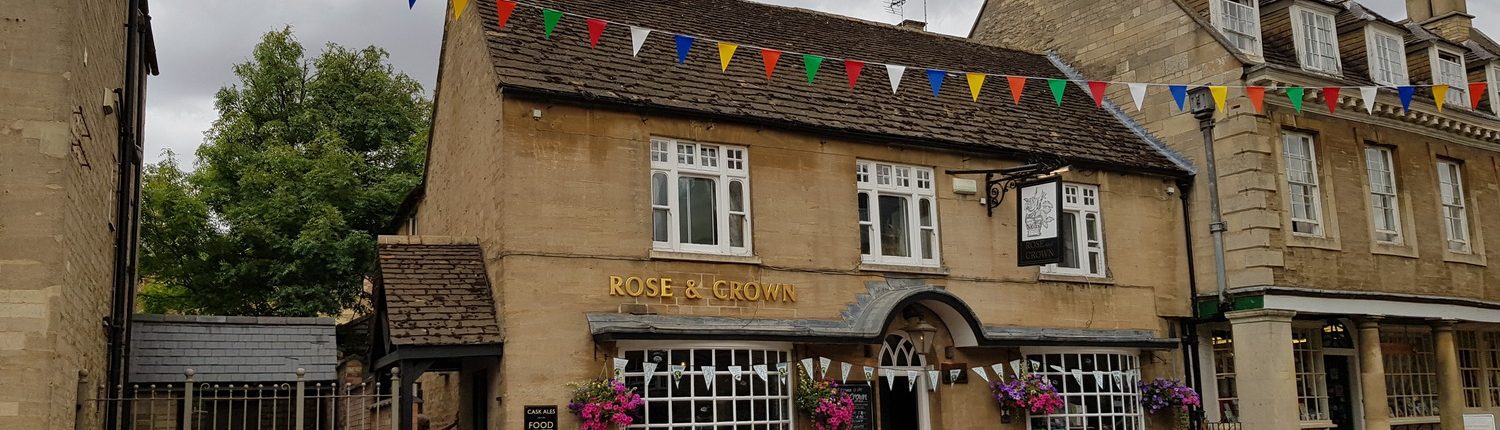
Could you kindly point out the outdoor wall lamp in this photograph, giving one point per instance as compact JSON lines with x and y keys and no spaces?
{"x":921,"y":332}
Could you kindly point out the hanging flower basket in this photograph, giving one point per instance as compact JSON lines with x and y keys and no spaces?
{"x":1169,"y":396}
{"x":1026,"y":393}
{"x":829,"y":407}
{"x":601,"y":403}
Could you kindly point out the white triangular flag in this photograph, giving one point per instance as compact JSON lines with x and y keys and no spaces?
{"x":1078,"y":376}
{"x":869,"y":375}
{"x":708,"y":376}
{"x":895,"y":72}
{"x":1119,"y":380}
{"x":954,"y":374}
{"x":677,"y":370}
{"x":1036,"y":365}
{"x":1138,"y":93}
{"x":982,"y":374}
{"x":826,"y":363}
{"x":911,"y":380}
{"x":736,"y":372}
{"x":1018,"y":367}
{"x":1368,"y":94}
{"x":620,"y":364}
{"x":1099,"y":381}
{"x":890,"y":378}
{"x":638,"y":38}
{"x":1058,"y":369}
{"x":807,"y":364}
{"x":845,"y":378}
{"x":781,"y":372}
{"x":999,"y":369}
{"x":760,"y":370}
{"x":932,"y":380}
{"x":650,"y":368}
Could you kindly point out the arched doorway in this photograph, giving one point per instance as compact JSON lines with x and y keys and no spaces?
{"x":904,"y":405}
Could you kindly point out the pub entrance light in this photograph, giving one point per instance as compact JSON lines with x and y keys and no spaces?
{"x":921,"y":332}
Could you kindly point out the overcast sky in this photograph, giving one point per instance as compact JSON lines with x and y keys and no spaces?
{"x":199,"y":40}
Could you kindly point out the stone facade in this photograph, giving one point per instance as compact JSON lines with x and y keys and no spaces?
{"x":58,"y":180}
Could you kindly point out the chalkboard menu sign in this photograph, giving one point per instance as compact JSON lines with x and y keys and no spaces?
{"x":541,"y":417}
{"x":864,"y":405}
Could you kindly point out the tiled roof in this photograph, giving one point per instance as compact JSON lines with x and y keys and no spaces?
{"x":231,"y":349}
{"x":566,"y":66}
{"x":436,"y":292}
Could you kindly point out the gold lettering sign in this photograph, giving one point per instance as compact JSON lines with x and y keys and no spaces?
{"x":635,"y":286}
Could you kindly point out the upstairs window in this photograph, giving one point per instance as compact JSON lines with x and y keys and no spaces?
{"x":1387,"y":58}
{"x":1082,"y":233}
{"x":700,"y":197}
{"x":1384,"y":215}
{"x":897,"y":214}
{"x":1450,"y":70}
{"x":1455,"y":214}
{"x":1494,"y":78}
{"x":1317,"y":41}
{"x":1238,"y":21}
{"x":1302,"y":184}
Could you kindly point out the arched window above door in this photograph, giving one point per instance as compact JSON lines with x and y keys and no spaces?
{"x":899,"y":351}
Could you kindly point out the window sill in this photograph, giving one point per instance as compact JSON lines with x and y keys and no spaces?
{"x":657,"y":254}
{"x":1394,"y":250}
{"x":1075,"y":279}
{"x":896,"y":268}
{"x":1470,"y":258}
{"x":1414,"y":420}
{"x":1319,"y":424}
{"x":1299,"y":240}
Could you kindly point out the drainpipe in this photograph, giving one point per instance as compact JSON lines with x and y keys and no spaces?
{"x":1203,"y":110}
{"x":1190,"y":354}
{"x":127,"y":209}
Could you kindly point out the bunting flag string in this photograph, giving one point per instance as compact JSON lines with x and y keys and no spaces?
{"x":1097,"y":89}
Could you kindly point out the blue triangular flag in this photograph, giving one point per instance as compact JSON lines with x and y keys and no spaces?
{"x":935,"y":77}
{"x":411,"y":4}
{"x":684,"y":44}
{"x":1179,"y":93}
{"x":1406,"y":93}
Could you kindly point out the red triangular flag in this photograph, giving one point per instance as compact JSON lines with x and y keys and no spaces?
{"x":1331,"y":96}
{"x":853,"y":69}
{"x":1476,"y":93}
{"x":503,"y":8}
{"x":1096,"y":89}
{"x":1017,"y":84}
{"x":1257,"y":97}
{"x":596,"y":28}
{"x":770,"y":57}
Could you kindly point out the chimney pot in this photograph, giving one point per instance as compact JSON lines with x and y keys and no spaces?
{"x":914,"y":24}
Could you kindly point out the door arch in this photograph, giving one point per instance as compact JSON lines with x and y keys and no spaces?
{"x":899,"y":355}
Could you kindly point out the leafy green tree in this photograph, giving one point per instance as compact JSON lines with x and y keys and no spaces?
{"x":306,"y":164}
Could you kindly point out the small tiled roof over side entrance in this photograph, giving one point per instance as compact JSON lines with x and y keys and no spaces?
{"x":436,"y":292}
{"x":233,"y":349}
{"x":565,"y":66}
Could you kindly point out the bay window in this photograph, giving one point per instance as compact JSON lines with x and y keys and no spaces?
{"x":699,"y":197}
{"x":1099,"y":390}
{"x":1448,"y":68}
{"x":1302,"y":184}
{"x":1238,"y":21}
{"x":688,"y":401}
{"x":1385,"y":217}
{"x":1455,"y":215}
{"x":1316,"y":40}
{"x":1387,"y":57}
{"x":1082,"y":233}
{"x":897,"y":214}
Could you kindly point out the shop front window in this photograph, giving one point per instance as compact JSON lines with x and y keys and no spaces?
{"x":1099,"y":391}
{"x":1225,"y":380}
{"x":1410,"y":373}
{"x":699,"y":198}
{"x":1312,"y":381}
{"x":690,"y":402}
{"x":897,"y":214}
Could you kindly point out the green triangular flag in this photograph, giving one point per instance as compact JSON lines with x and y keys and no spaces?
{"x":1295,"y":93}
{"x":811,"y":63}
{"x":1058,"y":87}
{"x":551,"y":17}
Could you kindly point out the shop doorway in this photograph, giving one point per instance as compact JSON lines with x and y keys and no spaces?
{"x":1340,"y":391}
{"x":903,"y":405}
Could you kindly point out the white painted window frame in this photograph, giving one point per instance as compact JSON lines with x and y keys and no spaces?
{"x":1082,"y":201}
{"x":915,"y":184}
{"x":1219,"y":16}
{"x":1209,"y":350}
{"x":721,"y":168}
{"x":1311,"y":184}
{"x":694,"y":373}
{"x":1380,"y":165}
{"x":1311,"y":377}
{"x":1314,"y":37}
{"x":1128,"y":395}
{"x":1380,"y":57}
{"x":1494,"y":79}
{"x":1456,"y":230}
{"x":1458,"y":85}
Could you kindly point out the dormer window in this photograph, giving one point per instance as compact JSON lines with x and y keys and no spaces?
{"x":1448,"y":68}
{"x":1317,"y":41}
{"x":1387,"y":57}
{"x":1239,"y":21}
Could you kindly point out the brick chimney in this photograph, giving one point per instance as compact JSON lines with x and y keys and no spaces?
{"x":918,"y":25}
{"x":1447,"y":18}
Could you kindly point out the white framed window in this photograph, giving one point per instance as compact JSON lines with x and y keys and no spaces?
{"x":1455,"y":214}
{"x":700,"y":197}
{"x":1494,"y":78}
{"x":1316,"y":39}
{"x":1238,"y":21}
{"x":1082,"y":232}
{"x":1410,"y":375}
{"x":1387,"y":57}
{"x":1302,"y":184}
{"x":1470,"y":366}
{"x":1385,"y":217}
{"x":1448,"y":68}
{"x":1099,"y":390}
{"x":897,"y":214}
{"x":1226,"y":382}
{"x":1492,"y":366}
{"x":690,"y":402}
{"x":1312,"y":377}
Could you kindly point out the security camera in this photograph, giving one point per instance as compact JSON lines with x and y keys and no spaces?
{"x":1171,"y":190}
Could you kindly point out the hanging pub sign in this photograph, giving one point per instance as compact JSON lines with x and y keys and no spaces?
{"x":1038,"y":222}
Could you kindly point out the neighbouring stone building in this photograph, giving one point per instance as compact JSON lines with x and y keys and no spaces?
{"x":1359,"y":290}
{"x":583,"y":204}
{"x":71,"y":97}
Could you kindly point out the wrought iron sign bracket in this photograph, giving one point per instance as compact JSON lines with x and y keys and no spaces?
{"x":999,"y":182}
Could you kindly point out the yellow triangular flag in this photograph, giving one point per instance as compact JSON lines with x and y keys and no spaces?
{"x":976,"y":82}
{"x":458,"y":8}
{"x":1440,"y":93}
{"x":1221,"y":93}
{"x":726,"y":51}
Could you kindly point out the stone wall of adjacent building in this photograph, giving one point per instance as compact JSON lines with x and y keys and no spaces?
{"x":57,"y":183}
